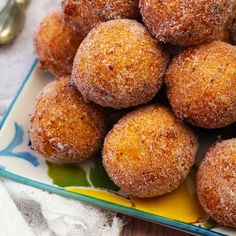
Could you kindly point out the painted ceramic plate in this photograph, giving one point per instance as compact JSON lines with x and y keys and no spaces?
{"x":88,"y":181}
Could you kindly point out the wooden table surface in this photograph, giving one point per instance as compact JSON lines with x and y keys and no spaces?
{"x":136,"y":227}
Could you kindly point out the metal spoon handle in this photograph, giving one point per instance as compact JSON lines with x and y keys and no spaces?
{"x":4,"y":13}
{"x":12,"y":19}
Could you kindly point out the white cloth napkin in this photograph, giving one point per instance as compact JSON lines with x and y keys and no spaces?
{"x":46,"y":214}
{"x":52,"y":215}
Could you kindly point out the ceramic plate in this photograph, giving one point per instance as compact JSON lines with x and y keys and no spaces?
{"x":88,"y":181}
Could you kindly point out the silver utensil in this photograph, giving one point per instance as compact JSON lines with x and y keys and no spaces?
{"x":12,"y":18}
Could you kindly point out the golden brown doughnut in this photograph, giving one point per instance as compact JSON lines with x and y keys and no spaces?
{"x":216,"y":182}
{"x":201,"y":85}
{"x":85,"y":14}
{"x":119,"y":65}
{"x":64,"y":128}
{"x":148,"y":152}
{"x":185,"y":22}
{"x":56,"y":44}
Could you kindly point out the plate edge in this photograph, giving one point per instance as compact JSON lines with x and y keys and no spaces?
{"x":88,"y":199}
{"x":110,"y":206}
{"x":2,"y":121}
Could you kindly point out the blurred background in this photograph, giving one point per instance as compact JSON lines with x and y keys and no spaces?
{"x":17,"y":56}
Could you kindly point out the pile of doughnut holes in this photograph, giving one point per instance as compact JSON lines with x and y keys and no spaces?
{"x":134,"y":79}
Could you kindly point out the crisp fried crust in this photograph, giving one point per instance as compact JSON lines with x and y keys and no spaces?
{"x":148,"y":152}
{"x":56,"y":44}
{"x":185,"y":22}
{"x":64,"y":128}
{"x":119,"y":65}
{"x":84,"y":14}
{"x":216,"y":182}
{"x":201,"y":85}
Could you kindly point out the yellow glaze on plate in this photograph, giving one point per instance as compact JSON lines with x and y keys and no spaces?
{"x":181,"y":205}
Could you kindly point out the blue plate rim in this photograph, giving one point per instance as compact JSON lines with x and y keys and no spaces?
{"x":2,"y":121}
{"x":91,"y":200}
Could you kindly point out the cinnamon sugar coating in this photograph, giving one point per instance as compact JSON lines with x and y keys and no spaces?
{"x":183,"y":22}
{"x":119,"y":65}
{"x":201,"y":85}
{"x":64,"y":128}
{"x":148,"y":152}
{"x":56,"y":44}
{"x":216,"y":182}
{"x":84,"y":14}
